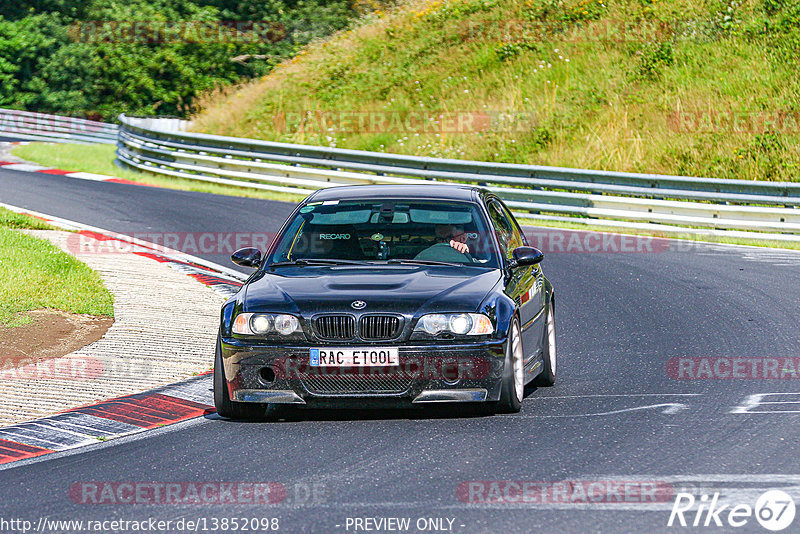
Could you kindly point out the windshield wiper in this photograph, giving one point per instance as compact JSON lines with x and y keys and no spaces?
{"x":316,"y":261}
{"x":424,"y":262}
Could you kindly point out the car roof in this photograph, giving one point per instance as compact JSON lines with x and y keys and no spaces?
{"x":424,"y":190}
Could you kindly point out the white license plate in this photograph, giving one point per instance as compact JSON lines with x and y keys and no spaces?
{"x":343,"y":357}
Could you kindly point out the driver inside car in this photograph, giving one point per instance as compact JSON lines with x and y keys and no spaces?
{"x":450,"y":245}
{"x":454,"y":235}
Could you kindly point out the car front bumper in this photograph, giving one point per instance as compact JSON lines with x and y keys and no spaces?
{"x":428,"y":373}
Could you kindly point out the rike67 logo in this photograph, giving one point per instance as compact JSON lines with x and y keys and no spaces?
{"x":774,"y":510}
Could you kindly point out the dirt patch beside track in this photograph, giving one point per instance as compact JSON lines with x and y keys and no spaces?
{"x":51,"y":333}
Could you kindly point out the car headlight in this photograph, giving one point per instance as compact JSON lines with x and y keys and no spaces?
{"x":261,"y":324}
{"x":463,"y":324}
{"x":286,"y":324}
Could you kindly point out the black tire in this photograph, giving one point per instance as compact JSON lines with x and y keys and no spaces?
{"x":225,"y":406}
{"x":547,"y":377}
{"x":513,"y":387}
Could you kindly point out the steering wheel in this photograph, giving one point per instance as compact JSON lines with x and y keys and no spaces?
{"x":444,"y":252}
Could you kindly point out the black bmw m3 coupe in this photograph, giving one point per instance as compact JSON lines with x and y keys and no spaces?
{"x":388,"y":295}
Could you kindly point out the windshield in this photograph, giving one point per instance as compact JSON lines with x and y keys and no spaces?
{"x":424,"y":231}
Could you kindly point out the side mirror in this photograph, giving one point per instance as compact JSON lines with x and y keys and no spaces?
{"x":523,"y":256}
{"x":247,"y":257}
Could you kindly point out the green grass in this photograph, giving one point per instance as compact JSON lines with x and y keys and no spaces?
{"x":10,"y":219}
{"x":36,"y":275}
{"x":572,"y":83}
{"x":99,"y":159}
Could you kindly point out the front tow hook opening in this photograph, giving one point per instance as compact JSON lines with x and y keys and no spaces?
{"x":266,"y":375}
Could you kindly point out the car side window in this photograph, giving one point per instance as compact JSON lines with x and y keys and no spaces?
{"x":502,"y":227}
{"x":519,"y":239}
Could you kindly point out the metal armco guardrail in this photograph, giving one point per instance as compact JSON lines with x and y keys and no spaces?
{"x":43,"y":127}
{"x":666,"y":204}
{"x":670,"y":204}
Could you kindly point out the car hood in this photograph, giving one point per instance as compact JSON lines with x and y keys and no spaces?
{"x":398,"y":289}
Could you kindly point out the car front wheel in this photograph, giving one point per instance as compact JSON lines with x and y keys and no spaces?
{"x":224,"y":405}
{"x":513,"y":385}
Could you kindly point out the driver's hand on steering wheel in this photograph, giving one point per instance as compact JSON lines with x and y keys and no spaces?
{"x":459,"y":246}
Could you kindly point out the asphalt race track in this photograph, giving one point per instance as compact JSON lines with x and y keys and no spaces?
{"x":618,"y":412}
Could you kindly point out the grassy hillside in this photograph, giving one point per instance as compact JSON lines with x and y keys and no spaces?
{"x":690,"y":87}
